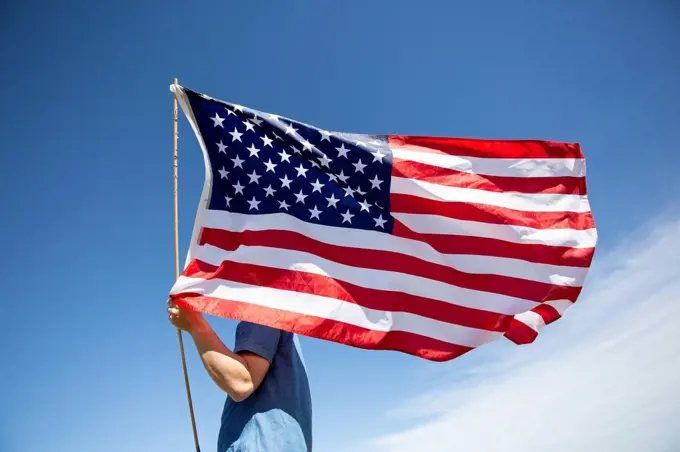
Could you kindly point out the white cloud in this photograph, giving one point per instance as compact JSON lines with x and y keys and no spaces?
{"x":606,"y":377}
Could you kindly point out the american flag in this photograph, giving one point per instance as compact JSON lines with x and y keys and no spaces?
{"x":429,"y":246}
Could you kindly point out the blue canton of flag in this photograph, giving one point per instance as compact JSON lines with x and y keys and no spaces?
{"x":263,"y":164}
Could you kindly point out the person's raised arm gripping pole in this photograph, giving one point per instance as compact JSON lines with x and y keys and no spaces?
{"x":269,"y":408}
{"x":239,"y":375}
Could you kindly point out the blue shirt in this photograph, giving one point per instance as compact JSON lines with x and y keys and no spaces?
{"x":278,"y":415}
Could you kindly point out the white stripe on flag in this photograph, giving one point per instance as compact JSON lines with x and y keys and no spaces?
{"x":560,"y":306}
{"x":435,"y":224}
{"x":531,"y":319}
{"x":518,"y":201}
{"x":496,"y":166}
{"x":331,"y":308}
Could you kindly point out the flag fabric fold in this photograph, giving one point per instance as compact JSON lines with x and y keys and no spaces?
{"x":424,"y":245}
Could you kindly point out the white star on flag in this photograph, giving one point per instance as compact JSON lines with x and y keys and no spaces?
{"x":342,"y":151}
{"x":315,"y":213}
{"x":285,"y":157}
{"x":269,"y":191}
{"x":379,"y":222}
{"x":254,"y":152}
{"x":254,"y":204}
{"x":267,"y":141}
{"x":254,"y":177}
{"x":359,"y":166}
{"x":324,"y":160}
{"x":218,"y":120}
{"x":349,"y":192}
{"x":332,"y":201}
{"x":285,"y":181}
{"x":238,"y":162}
{"x":342,"y":177}
{"x":249,"y":126}
{"x":235,"y":135}
{"x":347,"y":217}
{"x":238,"y":187}
{"x":378,"y":156}
{"x":271,"y":166}
{"x":300,"y":197}
{"x":301,"y":170}
{"x":317,"y":186}
{"x":364,"y":206}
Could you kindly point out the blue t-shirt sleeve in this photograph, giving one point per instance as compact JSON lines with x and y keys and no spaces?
{"x":258,"y":339}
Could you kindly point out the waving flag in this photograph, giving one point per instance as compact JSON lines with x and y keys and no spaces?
{"x":429,"y":246}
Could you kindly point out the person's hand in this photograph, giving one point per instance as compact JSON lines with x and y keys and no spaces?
{"x":185,"y":319}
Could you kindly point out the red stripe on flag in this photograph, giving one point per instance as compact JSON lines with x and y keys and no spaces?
{"x":509,"y":149}
{"x":499,"y":184}
{"x":344,"y":333}
{"x":485,"y":213}
{"x":547,"y":312}
{"x":389,"y":261}
{"x":521,"y":333}
{"x":459,"y":244}
{"x":381,"y":300}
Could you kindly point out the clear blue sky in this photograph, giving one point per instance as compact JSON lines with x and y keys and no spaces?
{"x":89,"y":360}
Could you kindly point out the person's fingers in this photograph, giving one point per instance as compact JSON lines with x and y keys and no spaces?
{"x":174,"y":319}
{"x":173,"y":310}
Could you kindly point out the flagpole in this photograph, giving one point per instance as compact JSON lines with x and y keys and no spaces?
{"x":179,"y":332}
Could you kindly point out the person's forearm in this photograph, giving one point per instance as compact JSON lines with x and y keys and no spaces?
{"x":227,"y":369}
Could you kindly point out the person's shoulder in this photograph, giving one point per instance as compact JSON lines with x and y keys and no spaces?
{"x":255,"y":324}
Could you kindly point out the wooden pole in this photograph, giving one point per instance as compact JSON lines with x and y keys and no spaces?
{"x":179,"y":332}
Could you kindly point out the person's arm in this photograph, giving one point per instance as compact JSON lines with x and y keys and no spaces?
{"x":238,"y":374}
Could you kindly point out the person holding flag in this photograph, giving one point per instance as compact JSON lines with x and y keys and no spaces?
{"x":269,"y":406}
